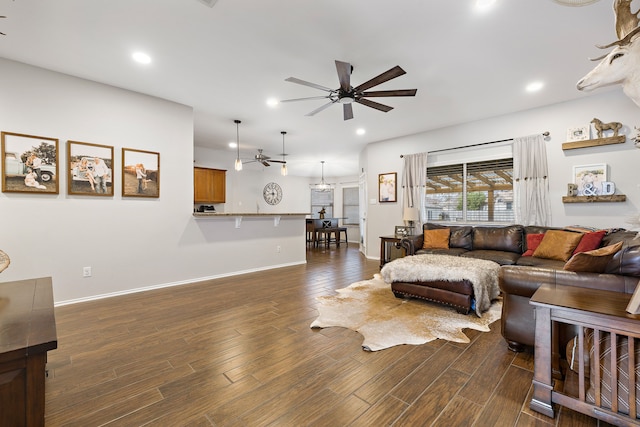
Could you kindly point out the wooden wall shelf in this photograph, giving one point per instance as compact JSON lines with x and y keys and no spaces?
{"x":592,"y":199}
{"x":620,"y":139}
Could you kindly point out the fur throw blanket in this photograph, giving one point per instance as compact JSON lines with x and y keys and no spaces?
{"x":481,"y":273}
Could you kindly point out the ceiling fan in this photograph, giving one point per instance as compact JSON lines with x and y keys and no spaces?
{"x":347,"y":94}
{"x":264,"y":159}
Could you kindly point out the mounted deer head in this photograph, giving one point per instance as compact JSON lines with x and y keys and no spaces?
{"x":620,"y":66}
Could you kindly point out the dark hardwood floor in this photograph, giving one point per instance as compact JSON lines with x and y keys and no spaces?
{"x":238,"y":351}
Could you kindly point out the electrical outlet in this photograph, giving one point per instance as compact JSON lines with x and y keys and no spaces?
{"x":86,"y":272}
{"x":278,"y":248}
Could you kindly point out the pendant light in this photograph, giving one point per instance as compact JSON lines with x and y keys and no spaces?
{"x":283,"y":169}
{"x":323,"y":186}
{"x":238,"y":165}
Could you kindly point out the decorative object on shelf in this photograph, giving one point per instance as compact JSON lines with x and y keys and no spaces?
{"x":322,"y":212}
{"x":140,"y":173}
{"x":580,"y":133}
{"x":589,"y":179}
{"x":272,"y":193}
{"x":608,"y":188}
{"x":572,"y":190}
{"x":4,"y":261}
{"x":410,"y":216}
{"x":347,"y":94}
{"x":30,"y":164}
{"x":283,"y":169}
{"x":89,"y":169}
{"x":601,"y":127}
{"x":238,"y":164}
{"x":322,"y":186}
{"x":387,"y":190}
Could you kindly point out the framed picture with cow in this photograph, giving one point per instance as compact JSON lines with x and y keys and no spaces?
{"x":140,"y":173}
{"x":30,"y":163}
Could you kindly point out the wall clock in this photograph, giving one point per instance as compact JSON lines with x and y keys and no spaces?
{"x":272,"y":193}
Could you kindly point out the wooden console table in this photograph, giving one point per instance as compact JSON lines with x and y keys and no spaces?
{"x":27,"y":332}
{"x":590,"y":308}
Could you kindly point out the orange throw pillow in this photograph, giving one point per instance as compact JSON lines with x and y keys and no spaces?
{"x":436,"y":239}
{"x":594,"y":261}
{"x":558,"y":245}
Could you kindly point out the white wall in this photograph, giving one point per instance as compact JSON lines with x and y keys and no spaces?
{"x":130,"y":243}
{"x":622,"y":159}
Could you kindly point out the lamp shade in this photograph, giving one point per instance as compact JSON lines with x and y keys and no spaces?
{"x":410,"y":214}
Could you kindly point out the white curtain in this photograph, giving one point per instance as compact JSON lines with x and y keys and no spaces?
{"x":414,"y":182}
{"x":530,"y":181}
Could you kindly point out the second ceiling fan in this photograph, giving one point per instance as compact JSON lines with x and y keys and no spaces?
{"x":347,"y":94}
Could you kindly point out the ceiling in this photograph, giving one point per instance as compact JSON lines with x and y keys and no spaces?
{"x":226,"y":61}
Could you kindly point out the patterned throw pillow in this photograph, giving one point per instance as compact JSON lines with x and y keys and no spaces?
{"x":436,"y":239}
{"x":593,"y":261}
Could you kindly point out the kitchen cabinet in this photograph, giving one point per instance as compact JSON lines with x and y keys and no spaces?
{"x":209,"y":185}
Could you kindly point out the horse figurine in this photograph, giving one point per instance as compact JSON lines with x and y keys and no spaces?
{"x":600,"y":127}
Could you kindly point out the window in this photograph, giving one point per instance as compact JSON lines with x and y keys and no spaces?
{"x":322,"y":199}
{"x":473,"y":191}
{"x":350,"y":205}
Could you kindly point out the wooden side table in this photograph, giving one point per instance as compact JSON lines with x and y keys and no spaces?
{"x":390,"y":249}
{"x":589,"y":308}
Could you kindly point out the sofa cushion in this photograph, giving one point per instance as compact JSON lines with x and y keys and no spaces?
{"x":531,"y":261}
{"x":509,"y":238}
{"x":436,"y":239}
{"x":594,"y":261}
{"x":501,"y":257}
{"x":558,"y":245}
{"x":533,"y":241}
{"x":459,"y":237}
{"x":590,"y":241}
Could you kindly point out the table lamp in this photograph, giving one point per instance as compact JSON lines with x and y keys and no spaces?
{"x":410,"y":215}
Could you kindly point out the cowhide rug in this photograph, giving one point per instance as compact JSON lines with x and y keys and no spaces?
{"x":370,"y":308}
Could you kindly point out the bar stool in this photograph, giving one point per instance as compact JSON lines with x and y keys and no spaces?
{"x":339,"y":232}
{"x":324,"y":234}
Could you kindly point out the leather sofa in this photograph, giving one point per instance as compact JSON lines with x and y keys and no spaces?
{"x":520,"y":276}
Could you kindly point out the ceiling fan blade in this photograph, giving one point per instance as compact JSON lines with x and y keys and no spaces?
{"x":305,"y":99}
{"x":375,"y":105}
{"x":400,"y":92}
{"x":278,"y":161}
{"x":264,"y":162}
{"x":317,"y":110}
{"x":305,"y":83}
{"x":386,"y":76}
{"x":344,"y":75}
{"x":347,"y":110}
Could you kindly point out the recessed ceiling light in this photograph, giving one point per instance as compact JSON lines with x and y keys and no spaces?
{"x":360,"y":131}
{"x":141,"y":57}
{"x":484,"y":4}
{"x":534,"y":86}
{"x":233,"y":144}
{"x":272,"y":102}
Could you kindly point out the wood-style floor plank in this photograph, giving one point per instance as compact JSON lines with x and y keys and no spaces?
{"x":238,"y":351}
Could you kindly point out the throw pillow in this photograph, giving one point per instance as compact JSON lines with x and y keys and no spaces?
{"x":436,"y":239}
{"x":533,"y":241}
{"x":558,"y":245}
{"x":590,"y":241}
{"x":592,"y":261}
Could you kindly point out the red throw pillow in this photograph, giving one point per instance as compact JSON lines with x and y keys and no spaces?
{"x":533,"y":241}
{"x":590,"y":241}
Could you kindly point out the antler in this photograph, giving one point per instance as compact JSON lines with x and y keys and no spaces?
{"x":623,"y":41}
{"x":626,"y":21}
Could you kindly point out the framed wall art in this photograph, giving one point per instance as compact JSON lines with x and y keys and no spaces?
{"x":89,"y":169}
{"x":140,"y":173}
{"x":30,"y":163}
{"x":387,"y":191}
{"x":580,"y":133}
{"x":589,"y":179}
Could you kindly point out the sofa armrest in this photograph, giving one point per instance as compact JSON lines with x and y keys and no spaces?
{"x":412,"y":243}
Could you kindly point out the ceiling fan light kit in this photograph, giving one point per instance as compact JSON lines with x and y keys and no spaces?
{"x":347,"y":94}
